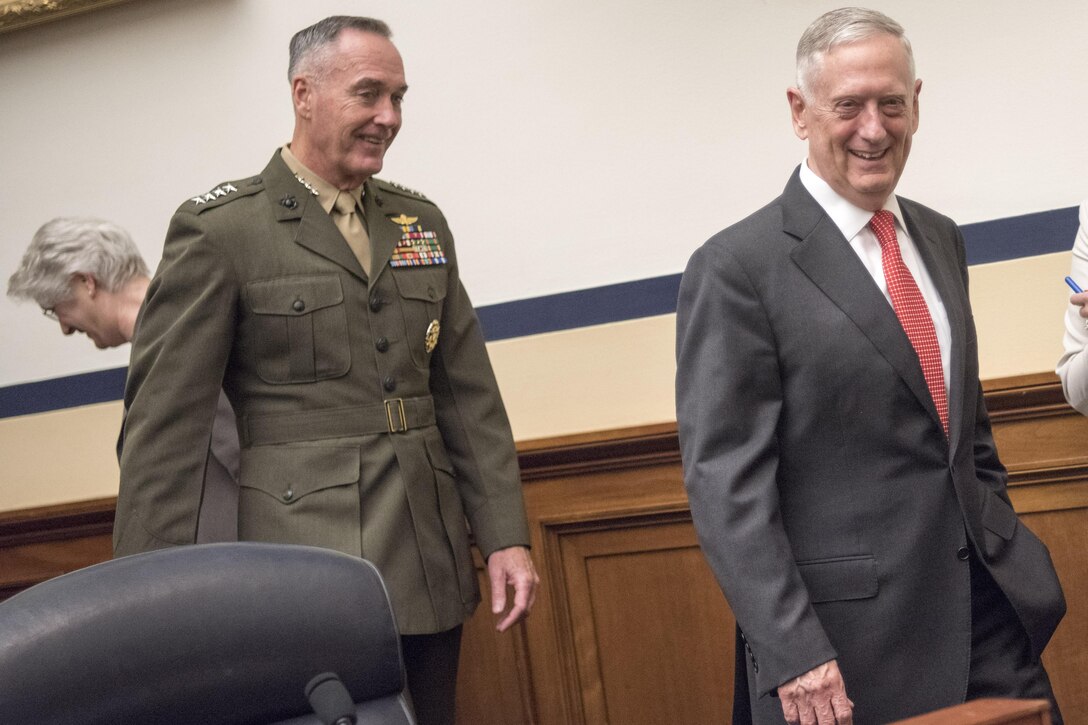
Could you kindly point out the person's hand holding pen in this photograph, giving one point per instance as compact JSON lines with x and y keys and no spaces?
{"x":1079,"y":298}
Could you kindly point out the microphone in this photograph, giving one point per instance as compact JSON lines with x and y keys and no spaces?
{"x":330,"y":700}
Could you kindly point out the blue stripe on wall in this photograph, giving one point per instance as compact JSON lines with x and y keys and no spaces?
{"x":67,"y":392}
{"x":992,"y":241}
{"x":1029,"y":235}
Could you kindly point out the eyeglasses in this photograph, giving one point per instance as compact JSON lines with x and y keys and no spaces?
{"x":51,"y":313}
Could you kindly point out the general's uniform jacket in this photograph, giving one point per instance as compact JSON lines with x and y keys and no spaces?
{"x":369,"y":415}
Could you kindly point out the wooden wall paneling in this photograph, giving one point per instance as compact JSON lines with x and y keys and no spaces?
{"x":46,"y":542}
{"x":495,"y":684}
{"x":1065,"y":532}
{"x":651,"y":627}
{"x":1044,"y":444}
{"x":629,"y":623}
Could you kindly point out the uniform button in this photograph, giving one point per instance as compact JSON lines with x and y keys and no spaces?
{"x":382,"y":344}
{"x":430,"y":292}
{"x":298,"y":306}
{"x":288,"y":202}
{"x":288,"y":495}
{"x":963,"y":553}
{"x":375,"y":303}
{"x":389,"y":384}
{"x":379,"y":201}
{"x":256,"y":180}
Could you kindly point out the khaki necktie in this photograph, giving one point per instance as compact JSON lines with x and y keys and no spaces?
{"x":910,"y":307}
{"x":347,"y":219}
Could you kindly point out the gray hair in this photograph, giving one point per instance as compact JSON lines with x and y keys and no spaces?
{"x":67,"y":246}
{"x":841,"y":27}
{"x":306,"y":42}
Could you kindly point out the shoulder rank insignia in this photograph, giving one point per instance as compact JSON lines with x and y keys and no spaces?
{"x":417,"y":247}
{"x":221,"y":190}
{"x":406,"y":190}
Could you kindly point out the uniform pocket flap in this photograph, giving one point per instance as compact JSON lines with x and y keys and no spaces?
{"x":415,"y":283}
{"x":834,"y":580}
{"x":440,"y":458}
{"x":293,"y":296}
{"x":998,"y":516}
{"x":290,"y":472}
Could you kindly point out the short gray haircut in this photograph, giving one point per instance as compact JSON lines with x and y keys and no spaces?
{"x":306,"y":43}
{"x":841,"y":27}
{"x":68,"y":246}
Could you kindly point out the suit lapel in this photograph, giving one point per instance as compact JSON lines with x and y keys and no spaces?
{"x":315,"y":230}
{"x":825,"y":256}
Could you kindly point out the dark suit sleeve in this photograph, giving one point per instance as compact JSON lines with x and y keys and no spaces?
{"x":729,"y":401}
{"x":179,"y":354}
{"x":474,"y":424}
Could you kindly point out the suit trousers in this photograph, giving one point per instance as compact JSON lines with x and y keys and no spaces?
{"x":430,"y":661}
{"x":1001,"y":660}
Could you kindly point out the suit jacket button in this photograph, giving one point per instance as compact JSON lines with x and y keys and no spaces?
{"x":288,"y":495}
{"x":389,"y":384}
{"x":381,"y":344}
{"x":298,"y":306}
{"x":963,"y":553}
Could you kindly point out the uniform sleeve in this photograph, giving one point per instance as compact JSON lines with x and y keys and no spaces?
{"x":474,"y":425}
{"x":1073,"y":366}
{"x":179,"y":354}
{"x":728,"y":402}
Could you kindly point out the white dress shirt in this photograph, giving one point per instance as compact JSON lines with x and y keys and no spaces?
{"x":853,"y":222}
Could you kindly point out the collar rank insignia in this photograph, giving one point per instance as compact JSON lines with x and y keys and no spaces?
{"x":214,"y":194}
{"x":416,"y":248}
{"x":305,"y":183}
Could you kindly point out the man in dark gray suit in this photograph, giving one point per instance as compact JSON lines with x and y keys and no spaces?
{"x":837,"y":452}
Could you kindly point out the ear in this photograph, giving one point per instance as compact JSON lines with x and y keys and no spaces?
{"x":302,"y":90}
{"x":917,"y":90}
{"x":90,"y":283}
{"x":797,"y":112}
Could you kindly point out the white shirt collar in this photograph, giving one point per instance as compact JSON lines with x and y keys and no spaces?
{"x":848,"y":218}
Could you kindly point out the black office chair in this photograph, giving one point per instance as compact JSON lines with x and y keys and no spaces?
{"x":211,"y":634}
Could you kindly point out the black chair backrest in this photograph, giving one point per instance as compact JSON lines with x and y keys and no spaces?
{"x":210,"y":634}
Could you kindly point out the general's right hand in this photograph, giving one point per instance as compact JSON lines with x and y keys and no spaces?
{"x":817,"y":697}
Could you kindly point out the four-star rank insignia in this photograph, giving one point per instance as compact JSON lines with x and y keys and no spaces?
{"x":417,"y":247}
{"x":214,"y":194}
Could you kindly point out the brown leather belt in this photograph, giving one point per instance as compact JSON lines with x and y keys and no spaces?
{"x":392,"y":416}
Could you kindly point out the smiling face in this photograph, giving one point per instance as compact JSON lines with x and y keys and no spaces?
{"x":858,"y":114}
{"x":348,"y":107}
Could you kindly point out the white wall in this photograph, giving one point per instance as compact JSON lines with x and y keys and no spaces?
{"x":571,"y":143}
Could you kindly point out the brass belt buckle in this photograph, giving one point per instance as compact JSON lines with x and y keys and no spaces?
{"x":401,"y":425}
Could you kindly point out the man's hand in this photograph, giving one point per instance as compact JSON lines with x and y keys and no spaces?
{"x":817,"y":697}
{"x":513,"y":567}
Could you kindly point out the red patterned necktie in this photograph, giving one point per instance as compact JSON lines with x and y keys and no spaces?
{"x":910,"y":307}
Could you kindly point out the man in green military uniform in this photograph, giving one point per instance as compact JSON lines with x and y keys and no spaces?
{"x":328,"y":305}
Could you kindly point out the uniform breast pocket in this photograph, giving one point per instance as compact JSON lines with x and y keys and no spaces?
{"x":422,"y":292}
{"x":300,"y":328}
